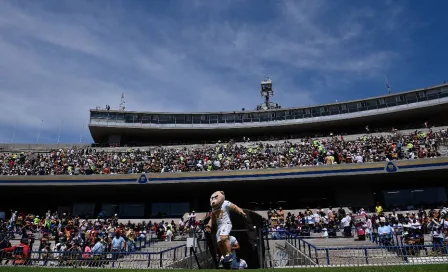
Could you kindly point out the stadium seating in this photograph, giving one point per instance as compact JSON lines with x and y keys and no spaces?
{"x":229,"y":156}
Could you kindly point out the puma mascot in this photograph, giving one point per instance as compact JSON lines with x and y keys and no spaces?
{"x":221,"y":216}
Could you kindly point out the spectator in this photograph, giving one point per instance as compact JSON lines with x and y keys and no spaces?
{"x":169,"y":234}
{"x":20,"y":253}
{"x":378,"y":208}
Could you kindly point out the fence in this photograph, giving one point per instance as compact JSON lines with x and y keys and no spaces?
{"x":74,"y":258}
{"x":290,"y":251}
{"x":156,"y":257}
{"x":301,"y":252}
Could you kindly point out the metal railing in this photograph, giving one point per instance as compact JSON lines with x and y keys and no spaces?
{"x":147,"y":255}
{"x":117,"y":259}
{"x":300,"y":251}
{"x":294,"y":251}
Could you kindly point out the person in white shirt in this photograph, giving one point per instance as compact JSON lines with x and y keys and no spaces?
{"x":325,"y":233}
{"x":169,"y":234}
{"x":236,"y":263}
{"x":316,"y":218}
{"x":234,"y":246}
{"x":369,"y":229}
{"x":181,"y":226}
{"x":358,"y":158}
{"x":345,"y":222}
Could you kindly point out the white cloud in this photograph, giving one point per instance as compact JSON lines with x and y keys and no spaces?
{"x":56,"y":64}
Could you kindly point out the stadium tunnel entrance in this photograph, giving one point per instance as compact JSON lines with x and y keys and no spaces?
{"x":174,"y":200}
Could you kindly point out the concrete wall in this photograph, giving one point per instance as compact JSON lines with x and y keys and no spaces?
{"x":238,"y":176}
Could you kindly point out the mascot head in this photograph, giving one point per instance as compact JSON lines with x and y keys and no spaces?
{"x":217,"y":199}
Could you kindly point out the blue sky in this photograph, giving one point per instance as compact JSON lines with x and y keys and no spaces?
{"x":60,"y":58}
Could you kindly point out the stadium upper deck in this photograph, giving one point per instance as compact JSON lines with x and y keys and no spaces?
{"x":402,"y":110}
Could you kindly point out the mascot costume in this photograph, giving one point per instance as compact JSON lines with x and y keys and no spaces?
{"x":221,"y":216}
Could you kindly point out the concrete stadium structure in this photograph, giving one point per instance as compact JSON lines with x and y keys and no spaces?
{"x":172,"y":194}
{"x":400,"y":110}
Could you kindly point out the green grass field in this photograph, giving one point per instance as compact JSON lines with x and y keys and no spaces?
{"x":408,"y":268}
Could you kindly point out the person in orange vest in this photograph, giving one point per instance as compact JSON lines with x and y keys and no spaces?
{"x":20,"y":253}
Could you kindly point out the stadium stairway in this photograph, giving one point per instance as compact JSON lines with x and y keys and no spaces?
{"x":164,"y":259}
{"x":341,"y":251}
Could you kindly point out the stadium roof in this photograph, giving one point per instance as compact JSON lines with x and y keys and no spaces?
{"x":395,"y":110}
{"x":285,"y":109}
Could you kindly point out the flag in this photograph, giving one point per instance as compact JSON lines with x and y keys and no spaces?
{"x":389,"y":89}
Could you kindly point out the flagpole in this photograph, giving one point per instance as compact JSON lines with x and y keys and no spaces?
{"x":14,"y":132}
{"x":82,"y":132}
{"x":60,"y":128}
{"x":387,"y":85}
{"x":40,"y":129}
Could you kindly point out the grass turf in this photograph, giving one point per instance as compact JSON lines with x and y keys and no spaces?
{"x":407,"y":268}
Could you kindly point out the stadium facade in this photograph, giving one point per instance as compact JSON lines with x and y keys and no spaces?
{"x":172,"y":194}
{"x":401,"y":110}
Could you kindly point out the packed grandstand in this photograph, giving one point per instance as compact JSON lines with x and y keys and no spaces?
{"x":418,"y":144}
{"x":421,"y":111}
{"x":65,"y":239}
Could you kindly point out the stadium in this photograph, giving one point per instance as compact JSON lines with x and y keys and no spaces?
{"x":121,"y":132}
{"x":129,"y":142}
{"x":161,"y":166}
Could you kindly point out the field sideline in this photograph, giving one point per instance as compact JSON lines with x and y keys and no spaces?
{"x":407,"y":268}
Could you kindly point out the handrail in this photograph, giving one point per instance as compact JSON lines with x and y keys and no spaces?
{"x":171,"y":249}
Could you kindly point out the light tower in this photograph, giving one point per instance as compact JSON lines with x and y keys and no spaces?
{"x":267,"y":92}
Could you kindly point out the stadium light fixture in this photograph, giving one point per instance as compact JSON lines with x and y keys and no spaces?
{"x":267,"y":92}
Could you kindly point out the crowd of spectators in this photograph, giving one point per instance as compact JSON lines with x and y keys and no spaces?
{"x":304,"y":223}
{"x":378,"y":226}
{"x":227,"y":156}
{"x":67,"y":237}
{"x":66,"y":233}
